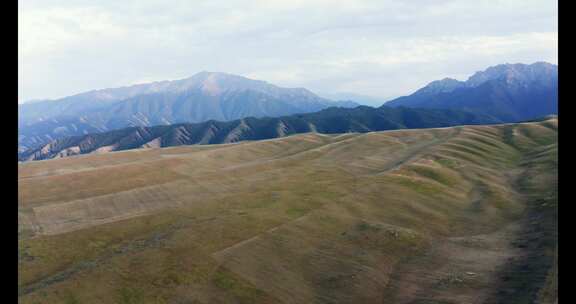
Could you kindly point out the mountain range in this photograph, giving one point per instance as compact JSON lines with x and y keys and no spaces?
{"x":329,"y":121}
{"x":507,"y":92}
{"x":214,"y":108}
{"x":202,"y":97}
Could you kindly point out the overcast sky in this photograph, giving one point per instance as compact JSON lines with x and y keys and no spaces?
{"x":379,"y":48}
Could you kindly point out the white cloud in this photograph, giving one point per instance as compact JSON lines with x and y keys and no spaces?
{"x":44,"y":31}
{"x":371,"y":47}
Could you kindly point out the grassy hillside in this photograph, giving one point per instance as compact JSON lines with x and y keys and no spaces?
{"x":333,"y":120}
{"x":452,"y":215}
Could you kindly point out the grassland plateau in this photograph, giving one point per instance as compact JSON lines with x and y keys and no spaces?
{"x":449,"y":215}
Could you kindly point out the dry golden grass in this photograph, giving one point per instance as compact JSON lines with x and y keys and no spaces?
{"x":303,"y":219}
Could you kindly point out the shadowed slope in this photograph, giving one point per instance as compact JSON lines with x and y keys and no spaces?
{"x":334,"y":120}
{"x":408,"y":216}
{"x":202,"y":97}
{"x":508,"y":92}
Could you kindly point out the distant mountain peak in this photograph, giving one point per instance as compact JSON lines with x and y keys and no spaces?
{"x":215,"y":83}
{"x":210,"y":84}
{"x":328,"y":121}
{"x":511,"y":73}
{"x":514,"y":73}
{"x":205,"y":75}
{"x":445,"y":82}
{"x":201,"y":97}
{"x":440,"y":86}
{"x":509,"y":92}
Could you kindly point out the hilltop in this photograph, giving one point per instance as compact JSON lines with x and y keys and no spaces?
{"x":450,"y":215}
{"x":329,"y":121}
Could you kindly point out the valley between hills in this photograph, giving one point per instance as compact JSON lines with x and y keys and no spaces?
{"x":464,"y":214}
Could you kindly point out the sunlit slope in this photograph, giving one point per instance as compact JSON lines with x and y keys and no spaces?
{"x":410,"y":216}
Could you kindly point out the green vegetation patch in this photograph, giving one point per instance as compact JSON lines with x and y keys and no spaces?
{"x":296,"y":212}
{"x":417,"y":185}
{"x":448,"y":162}
{"x":243,"y":291}
{"x":493,"y":158}
{"x":130,"y":295}
{"x":385,"y":238}
{"x":70,"y":298}
{"x":538,"y":134}
{"x":440,"y":175}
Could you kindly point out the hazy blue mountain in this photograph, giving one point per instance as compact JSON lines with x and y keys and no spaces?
{"x":508,"y":92}
{"x":329,"y":121}
{"x":445,"y":85}
{"x":202,"y":97}
{"x":356,"y":98}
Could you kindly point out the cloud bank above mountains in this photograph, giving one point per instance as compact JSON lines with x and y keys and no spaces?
{"x":375,"y":48}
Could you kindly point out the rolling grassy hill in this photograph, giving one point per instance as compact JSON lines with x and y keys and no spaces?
{"x":448,"y":215}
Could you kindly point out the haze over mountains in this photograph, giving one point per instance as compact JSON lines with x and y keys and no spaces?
{"x":508,"y":92}
{"x":202,"y":97}
{"x":442,"y":213}
{"x":212,"y":108}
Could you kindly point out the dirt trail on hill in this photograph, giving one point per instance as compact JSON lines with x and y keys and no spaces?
{"x":410,"y":217}
{"x":454,"y":270}
{"x":477,"y":269}
{"x":415,"y":151}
